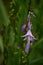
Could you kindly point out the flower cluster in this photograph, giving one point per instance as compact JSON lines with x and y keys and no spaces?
{"x":28,"y":36}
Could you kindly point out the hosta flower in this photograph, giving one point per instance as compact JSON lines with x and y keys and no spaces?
{"x":28,"y":36}
{"x":23,"y":27}
{"x":27,"y":47}
{"x":28,"y":19}
{"x":29,"y":25}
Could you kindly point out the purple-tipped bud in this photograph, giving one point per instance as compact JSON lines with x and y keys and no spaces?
{"x":29,"y":25}
{"x":28,"y":18}
{"x":23,"y":27}
{"x":27,"y":47}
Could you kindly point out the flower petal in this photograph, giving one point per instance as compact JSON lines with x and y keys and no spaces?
{"x":28,"y":34}
{"x":25,"y":38}
{"x":32,"y":38}
{"x":27,"y":47}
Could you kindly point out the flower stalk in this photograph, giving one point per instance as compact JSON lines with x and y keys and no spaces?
{"x":28,"y":36}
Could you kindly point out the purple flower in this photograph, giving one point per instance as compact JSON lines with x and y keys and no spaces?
{"x":29,"y":25}
{"x":23,"y":27}
{"x":28,"y":18}
{"x":28,"y":36}
{"x":27,"y":47}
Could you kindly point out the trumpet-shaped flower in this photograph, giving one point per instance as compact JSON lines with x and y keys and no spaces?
{"x":28,"y":34}
{"x":27,"y":47}
{"x":23,"y":27}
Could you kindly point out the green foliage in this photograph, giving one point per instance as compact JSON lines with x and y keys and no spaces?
{"x":13,"y":14}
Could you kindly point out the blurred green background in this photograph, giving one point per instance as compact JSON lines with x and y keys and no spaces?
{"x":13,"y":14}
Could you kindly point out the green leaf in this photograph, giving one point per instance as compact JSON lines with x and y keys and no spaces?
{"x":4,"y":17}
{"x":1,"y":44}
